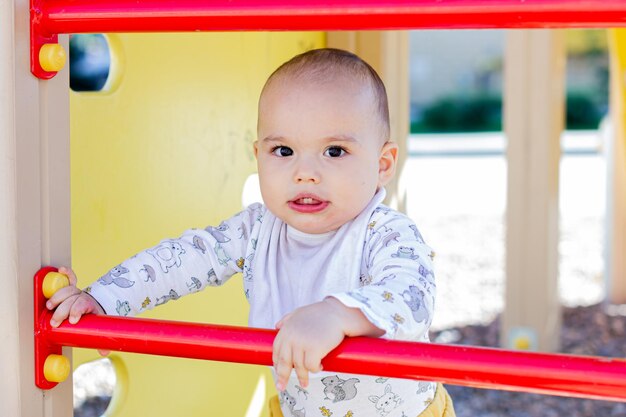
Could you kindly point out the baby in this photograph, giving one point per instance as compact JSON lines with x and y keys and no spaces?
{"x":322,"y":259}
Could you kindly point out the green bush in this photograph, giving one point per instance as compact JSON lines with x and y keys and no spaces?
{"x":483,"y":113}
{"x":582,"y":112}
{"x":461,"y":114}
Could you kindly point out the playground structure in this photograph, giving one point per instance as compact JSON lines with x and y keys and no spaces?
{"x":36,"y":131}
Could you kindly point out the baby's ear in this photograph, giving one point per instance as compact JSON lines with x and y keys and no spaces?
{"x":255,"y":145}
{"x":387,"y":163}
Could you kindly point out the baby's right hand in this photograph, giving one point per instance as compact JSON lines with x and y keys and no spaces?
{"x":71,"y":302}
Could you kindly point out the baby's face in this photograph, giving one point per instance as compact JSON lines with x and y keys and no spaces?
{"x":320,"y":153}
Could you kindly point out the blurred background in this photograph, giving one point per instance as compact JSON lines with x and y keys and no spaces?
{"x":456,"y":80}
{"x":457,"y":145}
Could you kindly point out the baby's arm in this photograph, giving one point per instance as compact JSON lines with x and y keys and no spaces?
{"x":71,"y":302}
{"x":168,"y":271}
{"x":396,"y":302}
{"x":309,"y":333}
{"x":397,"y":292}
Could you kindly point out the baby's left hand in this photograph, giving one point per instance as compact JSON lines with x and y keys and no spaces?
{"x":306,"y":335}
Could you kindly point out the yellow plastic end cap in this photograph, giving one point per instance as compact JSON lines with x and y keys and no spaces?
{"x":52,"y":57}
{"x":53,"y":282}
{"x":522,"y":343}
{"x":56,"y":368}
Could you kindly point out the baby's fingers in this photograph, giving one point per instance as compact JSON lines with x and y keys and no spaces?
{"x":299,"y":366}
{"x":74,"y":307}
{"x":83,"y":304}
{"x":62,"y":311}
{"x":312,"y":362}
{"x":62,"y":295}
{"x":282,"y":366}
{"x":70,"y":274}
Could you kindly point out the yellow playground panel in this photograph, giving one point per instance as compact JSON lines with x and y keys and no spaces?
{"x":167,"y":147}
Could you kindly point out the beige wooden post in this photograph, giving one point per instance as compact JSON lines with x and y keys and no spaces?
{"x":533,"y":117}
{"x":388,"y":53}
{"x":34,"y":209}
{"x":616,"y":174}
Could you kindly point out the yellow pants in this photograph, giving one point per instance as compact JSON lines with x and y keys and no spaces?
{"x":440,"y":407}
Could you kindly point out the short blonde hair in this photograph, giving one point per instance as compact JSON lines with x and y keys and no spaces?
{"x":328,"y":63}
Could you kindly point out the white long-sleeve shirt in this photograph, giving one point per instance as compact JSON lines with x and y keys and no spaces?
{"x":378,"y":262}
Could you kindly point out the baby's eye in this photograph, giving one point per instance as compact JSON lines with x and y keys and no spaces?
{"x":334,"y":151}
{"x":282,"y":151}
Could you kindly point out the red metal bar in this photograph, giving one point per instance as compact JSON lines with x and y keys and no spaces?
{"x":52,"y":17}
{"x":575,"y":376}
{"x":81,"y":16}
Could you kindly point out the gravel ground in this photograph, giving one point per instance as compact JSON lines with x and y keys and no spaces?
{"x":594,"y":330}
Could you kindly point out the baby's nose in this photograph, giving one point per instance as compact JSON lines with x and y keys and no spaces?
{"x":307,"y":172}
{"x":304,"y":178}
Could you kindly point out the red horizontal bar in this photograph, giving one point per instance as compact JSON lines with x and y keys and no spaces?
{"x":87,"y":16}
{"x":575,"y":376}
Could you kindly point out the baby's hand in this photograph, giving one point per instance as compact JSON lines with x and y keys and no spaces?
{"x":71,"y":302}
{"x":309,"y":333}
{"x":305,"y":337}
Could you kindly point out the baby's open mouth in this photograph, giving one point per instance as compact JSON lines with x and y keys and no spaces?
{"x":308,"y":204}
{"x":307,"y":200}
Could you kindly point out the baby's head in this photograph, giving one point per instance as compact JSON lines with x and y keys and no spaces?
{"x":334,"y":68}
{"x":323,"y":145}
